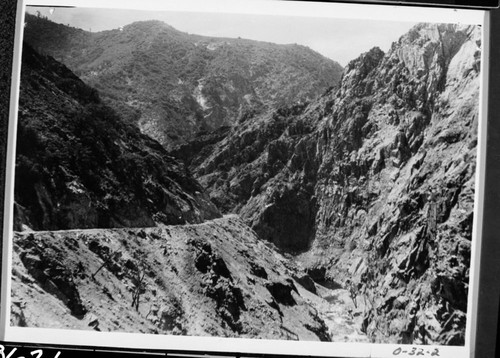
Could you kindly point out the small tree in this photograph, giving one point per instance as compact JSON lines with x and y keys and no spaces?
{"x":353,"y":292}
{"x":139,"y":287}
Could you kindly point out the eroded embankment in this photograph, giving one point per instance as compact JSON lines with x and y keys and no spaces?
{"x":213,"y":279}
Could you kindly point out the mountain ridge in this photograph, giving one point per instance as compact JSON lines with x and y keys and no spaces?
{"x":174,"y":84}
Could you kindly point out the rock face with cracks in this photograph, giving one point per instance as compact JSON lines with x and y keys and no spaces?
{"x":373,"y":182}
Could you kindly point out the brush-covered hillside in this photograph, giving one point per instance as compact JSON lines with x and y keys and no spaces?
{"x":174,"y":84}
{"x":79,"y":165}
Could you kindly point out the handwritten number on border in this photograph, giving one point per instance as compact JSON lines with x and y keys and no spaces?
{"x":416,"y":352}
{"x":39,"y":352}
{"x":35,"y":354}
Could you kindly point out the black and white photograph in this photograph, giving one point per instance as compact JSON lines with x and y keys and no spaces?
{"x":253,"y":176}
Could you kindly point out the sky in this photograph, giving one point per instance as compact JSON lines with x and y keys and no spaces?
{"x":341,"y":40}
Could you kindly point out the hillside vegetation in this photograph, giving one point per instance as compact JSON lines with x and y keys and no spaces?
{"x":173,"y":84}
{"x":79,"y":165}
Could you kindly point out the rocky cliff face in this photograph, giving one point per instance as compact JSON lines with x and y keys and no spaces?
{"x":404,"y":184}
{"x":79,"y":165}
{"x":258,"y":171}
{"x":373,"y":182}
{"x":174,"y":84}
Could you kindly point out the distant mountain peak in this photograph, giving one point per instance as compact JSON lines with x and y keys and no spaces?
{"x":151,"y":25}
{"x":151,"y":73}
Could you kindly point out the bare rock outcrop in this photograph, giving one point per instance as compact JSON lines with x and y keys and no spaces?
{"x":405,"y":191}
{"x":373,"y":182}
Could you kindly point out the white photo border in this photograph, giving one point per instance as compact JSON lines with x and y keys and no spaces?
{"x":243,"y":345}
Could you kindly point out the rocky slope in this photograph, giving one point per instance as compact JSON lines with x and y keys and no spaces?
{"x":79,"y":165}
{"x":174,"y":84}
{"x":188,"y":280}
{"x":373,"y":182}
